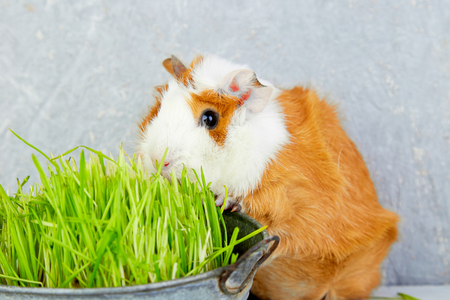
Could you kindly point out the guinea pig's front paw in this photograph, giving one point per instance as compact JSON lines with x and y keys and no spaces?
{"x":232,"y":202}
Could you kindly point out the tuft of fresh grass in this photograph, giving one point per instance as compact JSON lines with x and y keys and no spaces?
{"x":108,"y":223}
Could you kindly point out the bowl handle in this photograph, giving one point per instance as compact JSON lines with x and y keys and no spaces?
{"x":237,"y":277}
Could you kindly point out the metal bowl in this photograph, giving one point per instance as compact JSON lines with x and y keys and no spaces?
{"x":229,"y":282}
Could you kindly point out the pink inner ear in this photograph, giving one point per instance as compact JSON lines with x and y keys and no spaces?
{"x":234,"y":87}
{"x":244,"y":97}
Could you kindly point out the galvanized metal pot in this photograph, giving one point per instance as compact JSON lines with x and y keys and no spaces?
{"x":230,"y":282}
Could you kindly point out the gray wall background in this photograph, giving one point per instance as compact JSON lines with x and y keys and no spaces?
{"x":81,"y":72}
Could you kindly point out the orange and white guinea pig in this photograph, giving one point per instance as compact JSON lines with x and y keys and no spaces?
{"x":287,"y":163}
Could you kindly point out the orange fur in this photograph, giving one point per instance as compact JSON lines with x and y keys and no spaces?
{"x":197,"y":60}
{"x":319,"y":198}
{"x":153,"y":111}
{"x":223,"y":104}
{"x":187,"y":76}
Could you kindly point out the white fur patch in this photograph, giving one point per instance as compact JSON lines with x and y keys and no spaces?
{"x":250,"y":145}
{"x":210,"y":72}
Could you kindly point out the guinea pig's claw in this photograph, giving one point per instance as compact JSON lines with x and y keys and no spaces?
{"x":236,"y":207}
{"x":219,"y":200}
{"x":232,"y":202}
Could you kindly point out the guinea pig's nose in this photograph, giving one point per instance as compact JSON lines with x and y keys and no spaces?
{"x":166,"y":165}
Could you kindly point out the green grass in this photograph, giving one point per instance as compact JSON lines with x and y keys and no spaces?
{"x":107,"y":223}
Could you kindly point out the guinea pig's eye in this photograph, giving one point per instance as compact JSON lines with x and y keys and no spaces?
{"x":209,"y":119}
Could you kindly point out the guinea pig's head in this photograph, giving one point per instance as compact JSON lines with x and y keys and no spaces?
{"x":216,"y":115}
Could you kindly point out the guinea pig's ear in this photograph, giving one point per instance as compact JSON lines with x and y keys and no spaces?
{"x":244,"y":85}
{"x":174,"y":66}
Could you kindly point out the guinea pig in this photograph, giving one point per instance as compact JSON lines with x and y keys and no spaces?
{"x":287,"y":163}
